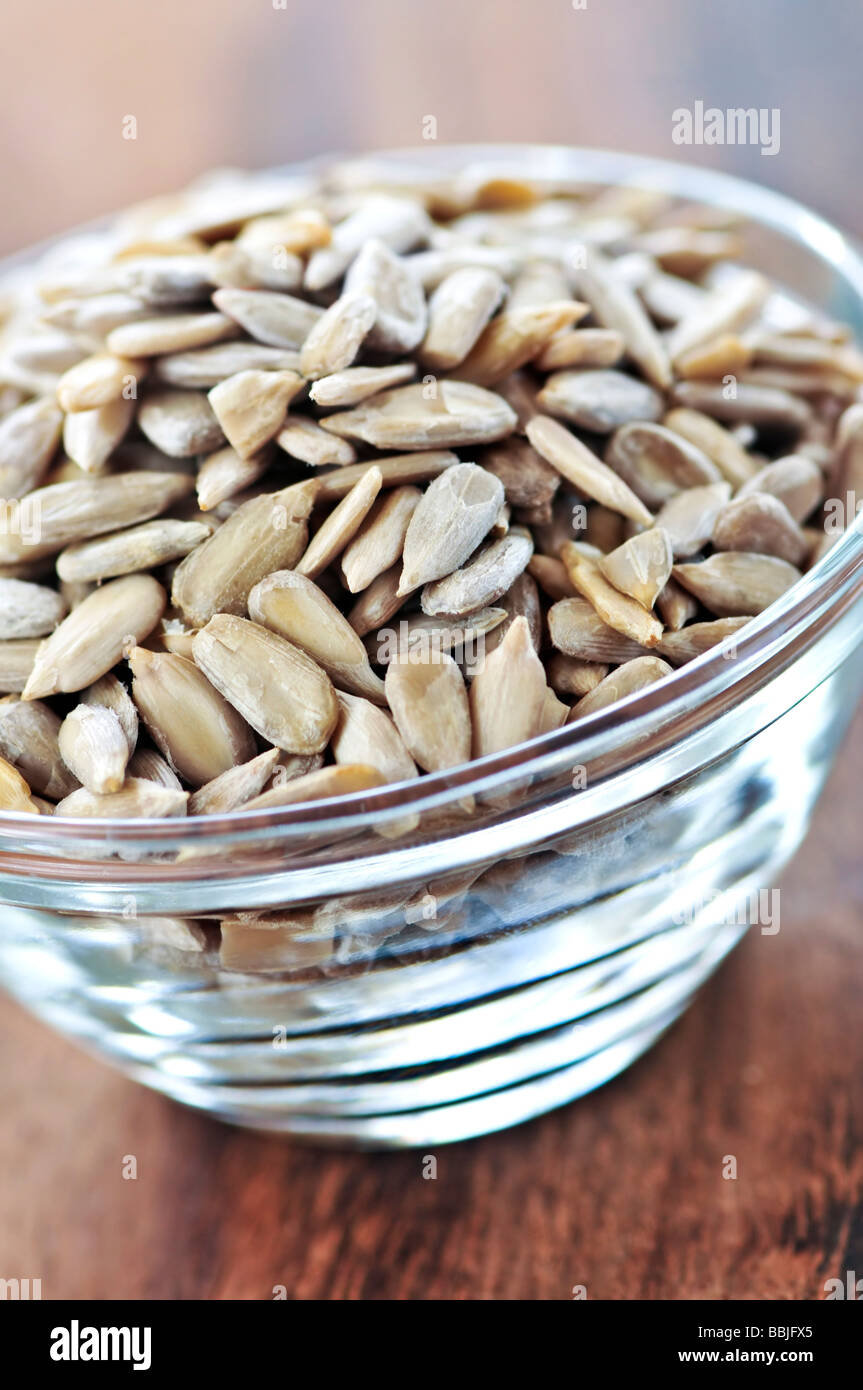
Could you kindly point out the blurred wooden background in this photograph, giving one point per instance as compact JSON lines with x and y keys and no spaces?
{"x":622,"y":1192}
{"x":256,"y":82}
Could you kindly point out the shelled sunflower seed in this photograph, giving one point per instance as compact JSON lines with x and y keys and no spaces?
{"x":350,"y":490}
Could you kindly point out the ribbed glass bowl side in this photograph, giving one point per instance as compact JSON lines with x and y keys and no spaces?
{"x":456,"y":1005}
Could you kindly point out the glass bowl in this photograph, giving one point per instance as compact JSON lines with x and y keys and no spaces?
{"x":457,"y":954}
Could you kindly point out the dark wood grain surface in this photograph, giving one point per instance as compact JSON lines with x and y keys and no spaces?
{"x":622,"y":1192}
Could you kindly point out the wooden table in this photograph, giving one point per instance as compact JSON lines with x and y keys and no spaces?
{"x":622,"y":1192}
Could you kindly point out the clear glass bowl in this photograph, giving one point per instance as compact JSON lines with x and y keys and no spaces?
{"x":464,"y":952}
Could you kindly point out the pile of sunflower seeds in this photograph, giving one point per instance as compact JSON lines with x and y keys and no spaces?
{"x":310,"y":486}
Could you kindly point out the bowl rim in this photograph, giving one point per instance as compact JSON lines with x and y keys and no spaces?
{"x":836,"y":578}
